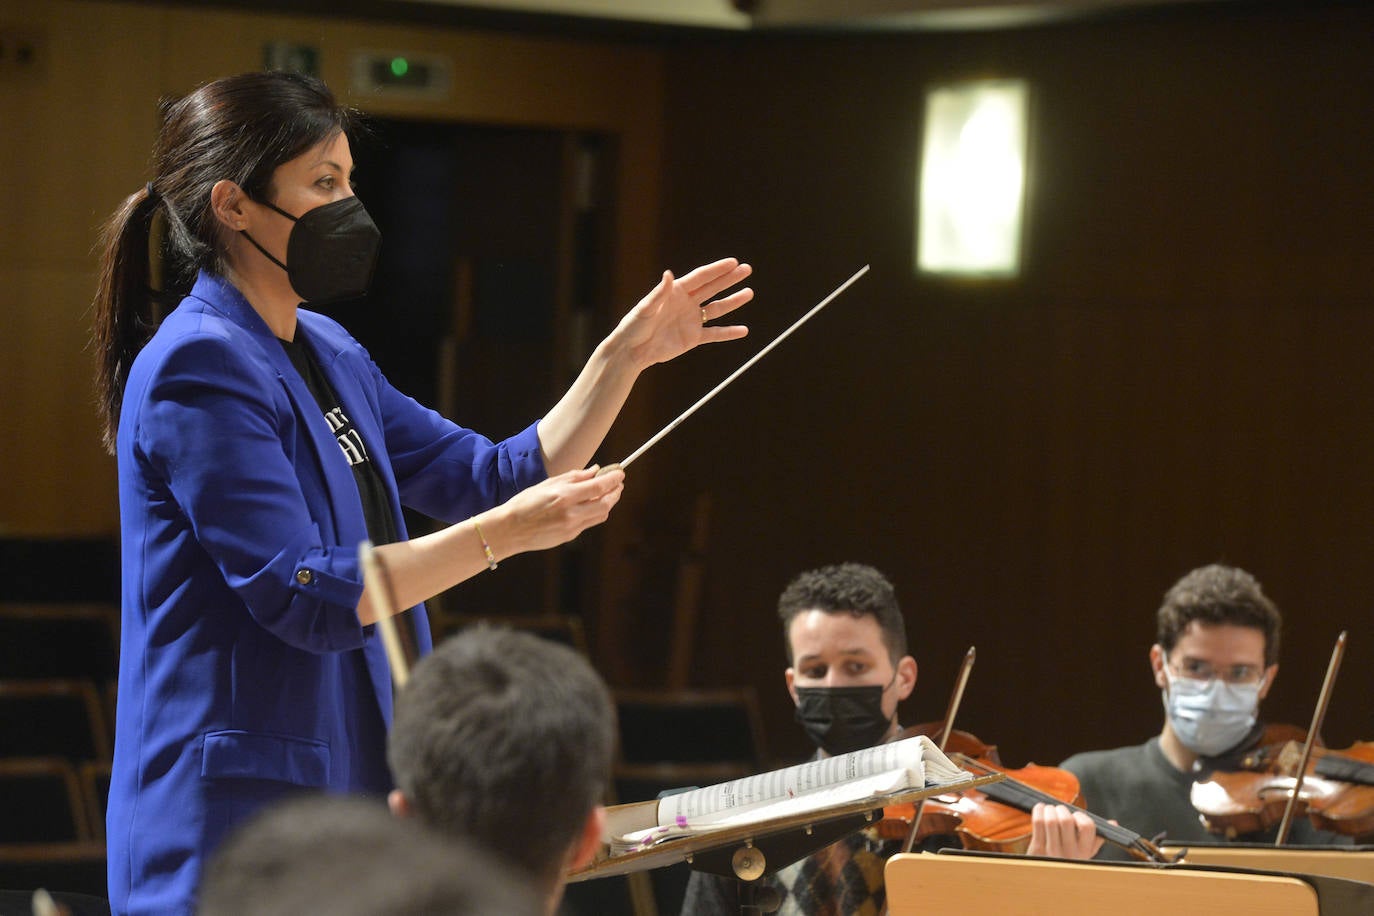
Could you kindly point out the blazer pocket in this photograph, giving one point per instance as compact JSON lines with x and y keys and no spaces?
{"x":254,"y":755}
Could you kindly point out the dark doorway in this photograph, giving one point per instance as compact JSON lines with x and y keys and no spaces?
{"x":492,"y":268}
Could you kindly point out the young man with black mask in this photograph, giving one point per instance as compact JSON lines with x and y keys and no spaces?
{"x":1214,"y":659}
{"x":848,"y":669}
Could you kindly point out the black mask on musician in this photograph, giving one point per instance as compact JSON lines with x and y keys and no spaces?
{"x":331,"y":251}
{"x":839,"y":720}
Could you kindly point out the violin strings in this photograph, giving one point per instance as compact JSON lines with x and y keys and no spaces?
{"x":1345,"y":770}
{"x":1023,"y":797}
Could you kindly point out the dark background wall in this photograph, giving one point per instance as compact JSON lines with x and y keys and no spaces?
{"x":1181,"y":375}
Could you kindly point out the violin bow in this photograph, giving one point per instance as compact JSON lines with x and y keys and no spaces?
{"x":376,"y":576}
{"x":1318,"y":716}
{"x":955,"y":698}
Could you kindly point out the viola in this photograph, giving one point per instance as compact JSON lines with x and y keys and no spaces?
{"x":997,"y":816}
{"x":1249,"y":792}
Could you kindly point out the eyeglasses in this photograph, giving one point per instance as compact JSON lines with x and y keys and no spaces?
{"x":1198,"y":670}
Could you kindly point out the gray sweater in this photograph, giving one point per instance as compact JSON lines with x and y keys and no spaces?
{"x":1139,"y":788}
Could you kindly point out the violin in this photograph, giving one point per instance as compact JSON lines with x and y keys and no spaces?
{"x":1296,"y":774}
{"x":1249,"y":793}
{"x":997,"y":816}
{"x":1350,"y":811}
{"x":1245,"y":793}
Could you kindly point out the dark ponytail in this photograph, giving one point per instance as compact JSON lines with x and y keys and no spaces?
{"x":124,"y":316}
{"x":240,"y":128}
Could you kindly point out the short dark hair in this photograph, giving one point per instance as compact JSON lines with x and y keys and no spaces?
{"x":505,"y":737}
{"x":347,"y":856}
{"x":855,"y":588}
{"x":1218,"y":594}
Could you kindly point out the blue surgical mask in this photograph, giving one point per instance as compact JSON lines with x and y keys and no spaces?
{"x":1210,"y":716}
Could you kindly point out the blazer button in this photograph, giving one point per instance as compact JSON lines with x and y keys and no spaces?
{"x":304,"y":576}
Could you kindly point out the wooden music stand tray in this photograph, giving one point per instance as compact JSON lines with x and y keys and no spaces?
{"x":751,"y":851}
{"x":1354,"y":863}
{"x":923,"y":883}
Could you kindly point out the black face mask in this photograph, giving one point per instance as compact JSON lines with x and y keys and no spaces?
{"x":331,"y":251}
{"x":839,"y":720}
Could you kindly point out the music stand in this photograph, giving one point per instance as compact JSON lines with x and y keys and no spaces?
{"x":922,"y":883}
{"x":752,"y":851}
{"x":1353,"y":862}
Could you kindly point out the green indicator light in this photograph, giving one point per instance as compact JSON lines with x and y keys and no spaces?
{"x":399,"y":66}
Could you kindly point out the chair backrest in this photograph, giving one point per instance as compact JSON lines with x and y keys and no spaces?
{"x":719,"y":726}
{"x":59,"y":569}
{"x":924,"y":883}
{"x":59,"y":641}
{"x":59,"y":718}
{"x":94,"y":776}
{"x":564,"y":628}
{"x":42,"y":801}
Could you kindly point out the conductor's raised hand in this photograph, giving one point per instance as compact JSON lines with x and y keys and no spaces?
{"x":555,"y":511}
{"x":675,"y":316}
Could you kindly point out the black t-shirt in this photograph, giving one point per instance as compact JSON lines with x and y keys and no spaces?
{"x":381,"y":524}
{"x":369,"y":731}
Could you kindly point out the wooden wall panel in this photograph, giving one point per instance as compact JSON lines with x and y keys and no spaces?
{"x":75,"y":139}
{"x":1181,"y":375}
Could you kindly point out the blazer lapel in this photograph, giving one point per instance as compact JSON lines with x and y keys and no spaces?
{"x":359,"y":407}
{"x":345,"y":509}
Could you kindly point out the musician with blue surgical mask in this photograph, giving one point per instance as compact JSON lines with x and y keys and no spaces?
{"x":1214,"y":660}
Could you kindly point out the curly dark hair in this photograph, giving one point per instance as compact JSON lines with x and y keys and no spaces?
{"x":853,"y":588}
{"x":1218,"y":594}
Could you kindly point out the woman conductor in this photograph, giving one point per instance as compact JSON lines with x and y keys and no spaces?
{"x":258,"y":444}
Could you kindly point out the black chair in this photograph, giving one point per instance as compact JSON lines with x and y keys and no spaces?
{"x":671,"y":740}
{"x":60,"y":640}
{"x":43,"y":801}
{"x":720,"y":726}
{"x":94,"y":776}
{"x":52,"y":718}
{"x":564,"y":628}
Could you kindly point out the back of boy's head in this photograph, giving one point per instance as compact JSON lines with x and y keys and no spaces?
{"x":507,"y":738}
{"x":347,"y":856}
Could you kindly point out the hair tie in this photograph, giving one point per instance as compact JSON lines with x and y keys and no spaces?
{"x":152,"y":195}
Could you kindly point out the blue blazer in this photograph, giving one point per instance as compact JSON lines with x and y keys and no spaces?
{"x":244,"y":673}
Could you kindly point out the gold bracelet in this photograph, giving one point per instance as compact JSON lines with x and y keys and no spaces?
{"x":486,"y":548}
